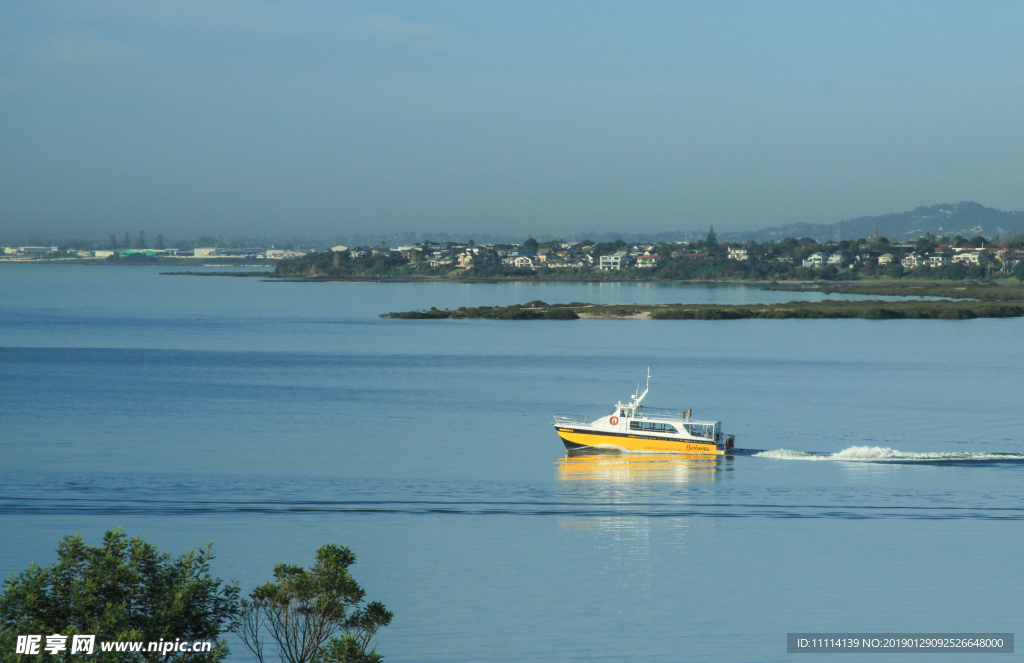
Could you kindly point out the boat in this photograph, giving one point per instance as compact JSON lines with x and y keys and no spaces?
{"x":634,"y":427}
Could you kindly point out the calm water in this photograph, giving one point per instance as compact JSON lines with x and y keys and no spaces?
{"x":880,"y":487}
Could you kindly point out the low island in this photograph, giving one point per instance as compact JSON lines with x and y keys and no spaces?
{"x":956,"y":303}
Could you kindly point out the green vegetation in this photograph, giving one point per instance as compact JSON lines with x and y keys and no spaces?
{"x":124,"y":590}
{"x":332,"y":263}
{"x":314,"y":616}
{"x":127,"y":591}
{"x":959,"y":309}
{"x":535,"y":310}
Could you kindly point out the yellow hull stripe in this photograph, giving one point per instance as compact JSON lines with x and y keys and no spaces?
{"x":631,"y":443}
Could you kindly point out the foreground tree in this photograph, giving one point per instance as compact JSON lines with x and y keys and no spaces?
{"x":123,"y":590}
{"x":314,"y":616}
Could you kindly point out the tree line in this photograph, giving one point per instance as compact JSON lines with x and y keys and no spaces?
{"x":126,"y":590}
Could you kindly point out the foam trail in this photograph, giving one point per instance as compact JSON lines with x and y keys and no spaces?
{"x":887,"y":454}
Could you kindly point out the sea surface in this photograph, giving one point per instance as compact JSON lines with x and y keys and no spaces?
{"x":878,"y":488}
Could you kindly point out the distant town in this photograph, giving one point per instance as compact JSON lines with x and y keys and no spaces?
{"x":58,"y":253}
{"x":137,"y":249}
{"x":953,"y":258}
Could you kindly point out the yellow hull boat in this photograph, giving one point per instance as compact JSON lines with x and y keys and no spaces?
{"x":633,"y":427}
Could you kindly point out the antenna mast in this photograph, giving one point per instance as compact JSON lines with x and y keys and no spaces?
{"x":636,"y":398}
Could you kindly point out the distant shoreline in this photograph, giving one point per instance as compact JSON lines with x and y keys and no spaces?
{"x":895,"y":287}
{"x":176,"y":262}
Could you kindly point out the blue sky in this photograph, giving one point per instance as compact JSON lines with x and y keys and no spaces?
{"x":323,"y":118}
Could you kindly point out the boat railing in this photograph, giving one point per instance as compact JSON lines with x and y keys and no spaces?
{"x":660,"y":413}
{"x":568,"y":419}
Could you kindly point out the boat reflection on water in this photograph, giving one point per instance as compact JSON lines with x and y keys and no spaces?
{"x":614,"y":467}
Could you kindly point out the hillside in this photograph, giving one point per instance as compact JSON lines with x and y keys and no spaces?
{"x":968,"y":219}
{"x":965,"y":218}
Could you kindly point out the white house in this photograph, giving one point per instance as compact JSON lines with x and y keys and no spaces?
{"x":885,"y":259}
{"x":939,"y":260}
{"x":617,"y":260}
{"x":738,"y":254}
{"x":912,"y":260}
{"x":647,"y":260}
{"x":817,"y":259}
{"x":967,"y":258}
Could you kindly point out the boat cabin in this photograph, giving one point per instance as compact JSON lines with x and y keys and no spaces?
{"x":636,"y":417}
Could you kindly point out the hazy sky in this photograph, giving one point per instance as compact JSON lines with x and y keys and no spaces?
{"x":229,"y":117}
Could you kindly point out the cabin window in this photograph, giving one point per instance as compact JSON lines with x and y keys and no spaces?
{"x":652,"y":426}
{"x":699,"y":430}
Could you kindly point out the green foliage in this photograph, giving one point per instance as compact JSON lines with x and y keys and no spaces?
{"x":535,"y":310}
{"x":895,"y":270}
{"x":531,"y":244}
{"x":985,"y":301}
{"x":123,"y":590}
{"x":346,"y":649}
{"x":607,"y":248}
{"x":420,"y":315}
{"x":315,"y":615}
{"x":1018,"y":271}
{"x":330,"y":263}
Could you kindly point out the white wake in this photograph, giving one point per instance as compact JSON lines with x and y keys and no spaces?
{"x":887,"y":454}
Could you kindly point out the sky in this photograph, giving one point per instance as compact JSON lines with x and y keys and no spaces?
{"x":325,"y":118}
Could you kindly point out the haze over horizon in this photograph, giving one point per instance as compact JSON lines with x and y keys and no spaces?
{"x":224,"y":117}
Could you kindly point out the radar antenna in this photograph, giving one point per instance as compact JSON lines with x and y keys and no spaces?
{"x":636,"y":398}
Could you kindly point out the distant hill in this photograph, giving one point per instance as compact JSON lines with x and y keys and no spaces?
{"x":966,"y":218}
